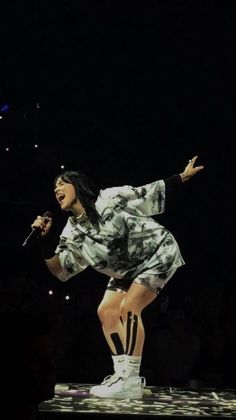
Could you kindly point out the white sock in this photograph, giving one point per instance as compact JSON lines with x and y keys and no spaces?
{"x":118,"y":363}
{"x":132,"y":365}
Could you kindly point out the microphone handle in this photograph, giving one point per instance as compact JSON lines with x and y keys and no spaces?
{"x":34,"y":233}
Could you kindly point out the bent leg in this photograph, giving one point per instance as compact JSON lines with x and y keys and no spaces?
{"x":137,"y":298}
{"x":109,"y":313}
{"x":126,"y":382}
{"x":120,"y":316}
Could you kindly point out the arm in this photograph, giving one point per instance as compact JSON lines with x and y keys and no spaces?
{"x":46,"y":245}
{"x":63,"y":262}
{"x":150,"y":199}
{"x":54,"y":266}
{"x":51,"y":259}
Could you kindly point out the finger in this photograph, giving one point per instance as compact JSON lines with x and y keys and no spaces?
{"x":194,"y":159}
{"x":44,"y":220}
{"x":47,"y":220}
{"x":199,"y":168}
{"x":38,"y":223}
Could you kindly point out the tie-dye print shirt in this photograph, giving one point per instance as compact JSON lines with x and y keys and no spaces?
{"x":127,"y":242}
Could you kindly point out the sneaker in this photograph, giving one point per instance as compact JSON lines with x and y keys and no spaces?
{"x":115,"y":386}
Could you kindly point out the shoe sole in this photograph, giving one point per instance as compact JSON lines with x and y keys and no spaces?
{"x":121,"y":395}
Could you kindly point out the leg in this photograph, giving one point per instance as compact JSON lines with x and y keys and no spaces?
{"x":137,"y":298}
{"x":120,"y":314}
{"x":116,"y":305}
{"x":126,"y":382}
{"x":144,"y":289}
{"x":109,"y":313}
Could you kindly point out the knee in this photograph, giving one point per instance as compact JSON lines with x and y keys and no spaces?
{"x":130,"y":306}
{"x":125,"y":308}
{"x":106,"y":312}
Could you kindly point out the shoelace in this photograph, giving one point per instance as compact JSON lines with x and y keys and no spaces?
{"x":110,"y":379}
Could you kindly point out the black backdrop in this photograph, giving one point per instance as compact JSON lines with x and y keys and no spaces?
{"x":126,"y":93}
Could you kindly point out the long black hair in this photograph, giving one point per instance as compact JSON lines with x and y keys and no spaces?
{"x":86,"y":192}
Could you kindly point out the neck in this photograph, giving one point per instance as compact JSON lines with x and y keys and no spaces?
{"x":81,"y":214}
{"x":78,"y":209}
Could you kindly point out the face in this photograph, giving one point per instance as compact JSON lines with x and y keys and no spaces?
{"x":65,"y":195}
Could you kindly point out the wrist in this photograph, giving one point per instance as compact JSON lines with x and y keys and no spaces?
{"x":47,"y":247}
{"x":184,"y":177}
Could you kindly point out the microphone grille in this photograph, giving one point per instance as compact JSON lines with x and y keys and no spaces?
{"x":48,"y":214}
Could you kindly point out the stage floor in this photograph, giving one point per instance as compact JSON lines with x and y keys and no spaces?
{"x":74,"y":399}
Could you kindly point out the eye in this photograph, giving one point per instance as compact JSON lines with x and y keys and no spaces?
{"x":60,"y":184}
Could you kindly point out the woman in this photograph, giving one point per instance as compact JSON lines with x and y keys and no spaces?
{"x":113,"y":232}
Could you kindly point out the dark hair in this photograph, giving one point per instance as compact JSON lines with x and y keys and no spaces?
{"x":86,"y":191}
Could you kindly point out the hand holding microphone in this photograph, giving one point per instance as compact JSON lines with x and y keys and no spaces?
{"x":43,"y":223}
{"x":40,"y":227}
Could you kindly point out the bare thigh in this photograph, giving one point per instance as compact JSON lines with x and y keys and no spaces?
{"x":138,"y":297}
{"x":112,"y":299}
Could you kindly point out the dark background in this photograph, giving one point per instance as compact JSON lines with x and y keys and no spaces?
{"x":127,"y":93}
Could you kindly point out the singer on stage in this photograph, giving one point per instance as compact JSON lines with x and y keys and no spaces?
{"x":113,"y":231}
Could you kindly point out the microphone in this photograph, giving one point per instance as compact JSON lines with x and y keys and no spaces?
{"x":36,"y":231}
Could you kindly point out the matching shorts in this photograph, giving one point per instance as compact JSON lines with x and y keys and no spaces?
{"x":151,"y":280}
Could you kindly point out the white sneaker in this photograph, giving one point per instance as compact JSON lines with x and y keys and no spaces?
{"x":115,"y":386}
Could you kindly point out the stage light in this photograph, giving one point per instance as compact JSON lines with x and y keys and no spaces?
{"x":36,"y":146}
{"x":7,"y":149}
{"x":50,"y":292}
{"x":62,"y":166}
{"x":67,"y":297}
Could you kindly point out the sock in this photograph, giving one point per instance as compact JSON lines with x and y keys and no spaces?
{"x":118,"y":363}
{"x":132,"y":365}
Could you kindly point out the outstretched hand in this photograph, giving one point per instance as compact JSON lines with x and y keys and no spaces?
{"x":190,"y":169}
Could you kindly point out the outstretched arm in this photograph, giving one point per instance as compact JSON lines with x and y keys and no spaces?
{"x":151,"y":198}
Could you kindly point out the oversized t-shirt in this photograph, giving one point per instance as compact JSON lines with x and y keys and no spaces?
{"x":127,"y":241}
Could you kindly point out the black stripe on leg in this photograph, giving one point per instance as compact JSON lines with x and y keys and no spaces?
{"x":134,"y":334}
{"x":128,"y":326}
{"x":117,"y":343}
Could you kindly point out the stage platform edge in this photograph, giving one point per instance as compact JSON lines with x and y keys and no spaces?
{"x":73,"y":399}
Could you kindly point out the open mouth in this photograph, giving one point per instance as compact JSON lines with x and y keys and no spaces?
{"x":60,"y":197}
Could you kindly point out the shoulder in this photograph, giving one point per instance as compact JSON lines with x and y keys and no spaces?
{"x":110,"y":192}
{"x":113,"y":193}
